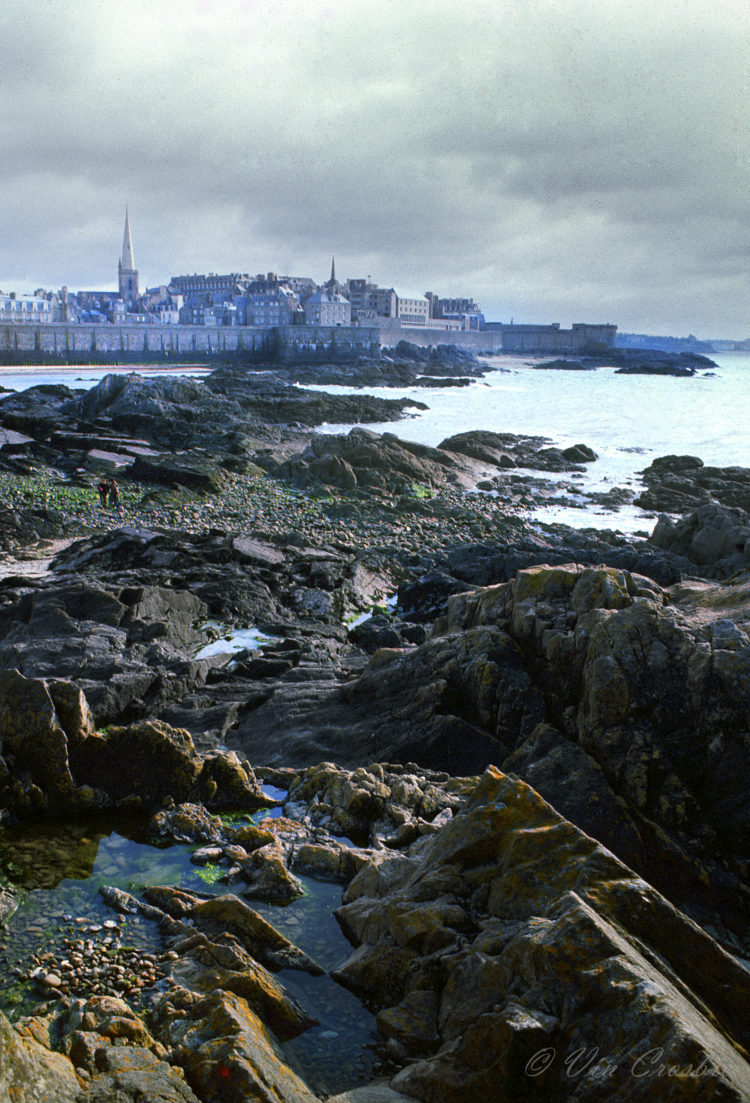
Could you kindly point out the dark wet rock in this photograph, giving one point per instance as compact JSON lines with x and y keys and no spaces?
{"x":572,"y":781}
{"x":579,"y":453}
{"x":563,"y":365}
{"x":37,"y":410}
{"x":27,"y":526}
{"x":386,"y":631}
{"x":650,"y":695}
{"x":462,"y":566}
{"x":658,"y":369}
{"x":424,"y":599}
{"x":173,"y":430}
{"x":270,"y":400}
{"x":53,"y":758}
{"x":436,"y":359}
{"x":654,"y":716}
{"x":679,"y":484}
{"x":715,"y":537}
{"x":196,"y":472}
{"x":508,"y":450}
{"x":632,"y":361}
{"x":380,"y":462}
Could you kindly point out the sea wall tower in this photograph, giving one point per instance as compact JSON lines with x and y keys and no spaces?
{"x":127,"y":273}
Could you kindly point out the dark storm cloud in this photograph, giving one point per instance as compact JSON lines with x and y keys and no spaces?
{"x":559,"y":161}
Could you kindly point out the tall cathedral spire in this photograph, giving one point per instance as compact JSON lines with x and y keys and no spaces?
{"x":127,"y":273}
{"x":127,"y":244}
{"x":333,"y":270}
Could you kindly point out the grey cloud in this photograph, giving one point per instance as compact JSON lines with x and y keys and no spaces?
{"x":558,"y":160}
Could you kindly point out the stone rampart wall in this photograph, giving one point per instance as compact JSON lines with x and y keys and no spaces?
{"x":326,"y":344}
{"x":477,"y":341}
{"x":136,"y":341}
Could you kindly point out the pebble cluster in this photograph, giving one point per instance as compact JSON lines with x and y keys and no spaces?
{"x":257,"y":502}
{"x":94,"y":959}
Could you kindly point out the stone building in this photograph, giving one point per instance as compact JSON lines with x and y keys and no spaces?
{"x":368,"y":301}
{"x":27,"y":309}
{"x":327,"y":306}
{"x":210,"y":290}
{"x":414,"y":312}
{"x":327,"y":309}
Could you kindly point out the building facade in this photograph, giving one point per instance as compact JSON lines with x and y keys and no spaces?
{"x":414,"y":312}
{"x":27,"y":309}
{"x":327,"y":309}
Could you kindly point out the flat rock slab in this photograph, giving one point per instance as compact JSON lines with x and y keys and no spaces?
{"x":371,"y":1093}
{"x":265,"y":555}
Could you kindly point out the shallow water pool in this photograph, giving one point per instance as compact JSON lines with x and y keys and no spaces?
{"x":57,"y":869}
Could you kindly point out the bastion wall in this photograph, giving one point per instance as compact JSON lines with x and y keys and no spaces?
{"x":61,"y":339}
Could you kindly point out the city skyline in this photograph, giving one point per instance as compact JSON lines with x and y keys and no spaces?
{"x":555,"y":161}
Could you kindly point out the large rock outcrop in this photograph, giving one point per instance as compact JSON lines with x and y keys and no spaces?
{"x":511,"y":956}
{"x":678,"y":484}
{"x":625,"y":704}
{"x":29,"y":1071}
{"x":53,"y":759}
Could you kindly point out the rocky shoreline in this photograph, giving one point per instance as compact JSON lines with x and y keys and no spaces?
{"x":521,"y":752}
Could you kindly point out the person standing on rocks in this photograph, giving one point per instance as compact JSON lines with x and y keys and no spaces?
{"x":114,"y":496}
{"x":103,"y":489}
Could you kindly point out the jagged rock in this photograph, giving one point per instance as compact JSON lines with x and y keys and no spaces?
{"x":631,"y":680}
{"x":228,"y":1054}
{"x":31,"y":732}
{"x":548,"y":904}
{"x":377,"y":1092}
{"x":125,"y":1073}
{"x":329,"y":861}
{"x":8,"y":903}
{"x":186,"y":823}
{"x":679,"y":484}
{"x":225,"y":781}
{"x":712,"y":536}
{"x":27,"y":1066}
{"x":579,"y":453}
{"x":366,"y":459}
{"x":222,"y":914}
{"x":508,"y":450}
{"x":148,"y":760}
{"x":268,"y":875}
{"x":196,"y":472}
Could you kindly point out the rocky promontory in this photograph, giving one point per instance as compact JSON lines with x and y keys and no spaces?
{"x":635,"y":362}
{"x":316,"y":674}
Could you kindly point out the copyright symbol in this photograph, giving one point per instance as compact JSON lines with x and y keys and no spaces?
{"x":540,"y":1061}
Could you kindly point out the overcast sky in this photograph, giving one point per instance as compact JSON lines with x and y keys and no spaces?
{"x":559,"y":160}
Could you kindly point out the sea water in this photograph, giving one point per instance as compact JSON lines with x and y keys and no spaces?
{"x":79,"y":377}
{"x":628,"y":420}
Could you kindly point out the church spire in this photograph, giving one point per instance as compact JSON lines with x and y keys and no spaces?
{"x":333,"y":270}
{"x":127,"y":261}
{"x":127,"y":273}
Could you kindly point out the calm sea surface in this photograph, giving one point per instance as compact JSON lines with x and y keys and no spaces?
{"x":627,"y":419}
